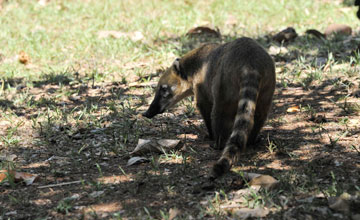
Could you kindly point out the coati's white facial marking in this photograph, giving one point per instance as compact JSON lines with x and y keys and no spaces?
{"x":176,"y":64}
{"x":173,"y":88}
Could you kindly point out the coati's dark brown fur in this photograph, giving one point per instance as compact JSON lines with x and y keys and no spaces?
{"x":233,"y":84}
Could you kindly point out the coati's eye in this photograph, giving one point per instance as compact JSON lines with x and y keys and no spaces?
{"x":164,"y":90}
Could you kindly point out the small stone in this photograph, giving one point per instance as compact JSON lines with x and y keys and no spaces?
{"x":338,"y":204}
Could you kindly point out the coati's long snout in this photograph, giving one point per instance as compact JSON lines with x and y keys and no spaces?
{"x":154,"y":108}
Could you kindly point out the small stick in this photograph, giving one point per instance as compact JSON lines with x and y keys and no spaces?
{"x":59,"y":184}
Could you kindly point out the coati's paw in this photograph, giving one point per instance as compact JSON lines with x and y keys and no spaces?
{"x":220,"y":168}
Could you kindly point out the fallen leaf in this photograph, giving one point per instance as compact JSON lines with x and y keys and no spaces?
{"x":136,"y":160}
{"x":26,"y":177}
{"x":4,"y":174}
{"x":250,"y":176}
{"x":168,"y":143}
{"x":24,"y":58}
{"x":293,"y":109}
{"x":265,"y":181}
{"x":18,"y":176}
{"x":143,"y":146}
{"x":245,"y":213}
{"x":173,"y":213}
{"x":146,"y":146}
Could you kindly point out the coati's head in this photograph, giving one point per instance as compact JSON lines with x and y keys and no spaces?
{"x":172,"y":87}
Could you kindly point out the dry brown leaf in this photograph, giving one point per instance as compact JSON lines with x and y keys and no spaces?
{"x":24,"y":58}
{"x":4,"y":174}
{"x":27,"y":178}
{"x":293,"y":109}
{"x":173,"y":213}
{"x":265,"y":181}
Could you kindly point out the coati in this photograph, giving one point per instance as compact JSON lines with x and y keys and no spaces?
{"x":233,"y":84}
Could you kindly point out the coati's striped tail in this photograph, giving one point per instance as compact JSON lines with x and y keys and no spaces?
{"x":243,"y":123}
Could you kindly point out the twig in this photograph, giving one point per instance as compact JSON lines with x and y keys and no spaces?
{"x":60,"y":184}
{"x":231,"y":206}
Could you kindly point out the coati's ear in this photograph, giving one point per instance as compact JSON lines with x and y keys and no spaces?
{"x":179,"y":71}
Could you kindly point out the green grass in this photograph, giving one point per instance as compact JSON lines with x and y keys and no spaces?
{"x":64,"y":34}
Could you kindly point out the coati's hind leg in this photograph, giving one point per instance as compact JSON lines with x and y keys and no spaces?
{"x":222,"y":117}
{"x":243,"y":123}
{"x":205,"y":106}
{"x":261,"y":112}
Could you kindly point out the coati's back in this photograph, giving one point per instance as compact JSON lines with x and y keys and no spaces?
{"x":233,"y":84}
